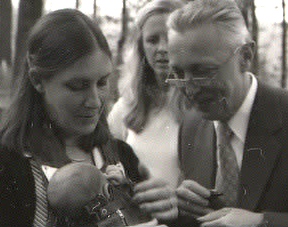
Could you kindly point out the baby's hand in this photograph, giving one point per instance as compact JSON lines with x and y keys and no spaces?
{"x":116,"y":174}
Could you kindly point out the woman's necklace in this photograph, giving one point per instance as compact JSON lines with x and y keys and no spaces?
{"x":76,"y":154}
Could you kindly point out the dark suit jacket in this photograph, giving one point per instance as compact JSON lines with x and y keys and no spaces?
{"x":264,"y":173}
{"x":17,"y":188}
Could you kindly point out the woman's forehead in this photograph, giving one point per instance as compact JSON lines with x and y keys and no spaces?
{"x":95,"y":64}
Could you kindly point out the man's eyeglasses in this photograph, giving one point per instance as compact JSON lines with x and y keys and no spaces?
{"x":204,"y":77}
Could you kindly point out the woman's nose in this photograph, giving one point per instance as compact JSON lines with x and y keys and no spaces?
{"x":163,"y":45}
{"x":93,"y":99}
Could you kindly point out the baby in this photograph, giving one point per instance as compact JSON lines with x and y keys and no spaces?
{"x":83,"y":194}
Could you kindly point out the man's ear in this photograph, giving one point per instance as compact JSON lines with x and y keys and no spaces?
{"x":36,"y":82}
{"x":247,"y":55}
{"x":248,"y":51}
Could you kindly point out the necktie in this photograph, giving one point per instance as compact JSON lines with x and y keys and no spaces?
{"x":227,"y":178}
{"x":41,"y":211}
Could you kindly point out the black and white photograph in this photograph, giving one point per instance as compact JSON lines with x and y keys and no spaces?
{"x":160,"y":113}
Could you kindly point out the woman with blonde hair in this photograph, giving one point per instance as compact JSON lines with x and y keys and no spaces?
{"x":148,"y":112}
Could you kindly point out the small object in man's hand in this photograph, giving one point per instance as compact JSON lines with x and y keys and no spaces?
{"x":214,"y":194}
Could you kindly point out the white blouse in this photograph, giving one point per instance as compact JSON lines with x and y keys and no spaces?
{"x":156,"y":145}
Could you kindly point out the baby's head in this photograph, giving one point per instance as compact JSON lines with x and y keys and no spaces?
{"x":73,"y":186}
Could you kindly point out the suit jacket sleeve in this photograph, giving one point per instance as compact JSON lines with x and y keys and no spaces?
{"x":130,"y":161}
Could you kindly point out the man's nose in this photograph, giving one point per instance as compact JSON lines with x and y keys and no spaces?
{"x":192,"y":88}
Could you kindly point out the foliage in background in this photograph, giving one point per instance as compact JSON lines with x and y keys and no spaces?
{"x":5,"y":31}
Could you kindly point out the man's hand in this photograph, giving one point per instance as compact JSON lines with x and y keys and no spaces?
{"x":152,"y":223}
{"x":156,"y":198}
{"x":193,"y":199}
{"x":231,"y":217}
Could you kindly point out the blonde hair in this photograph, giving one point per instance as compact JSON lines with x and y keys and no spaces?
{"x":138,"y":81}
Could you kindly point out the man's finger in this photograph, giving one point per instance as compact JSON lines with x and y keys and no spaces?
{"x":162,"y":205}
{"x":193,"y":208}
{"x":149,"y":184}
{"x":216,"y":223}
{"x":152,"y":195}
{"x":167,"y":215}
{"x":185,"y":214}
{"x":196,"y":188}
{"x":191,"y":197}
{"x":214,"y":215}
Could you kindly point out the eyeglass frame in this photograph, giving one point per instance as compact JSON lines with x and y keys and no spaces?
{"x":202,"y":81}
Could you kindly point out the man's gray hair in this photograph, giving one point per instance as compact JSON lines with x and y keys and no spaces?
{"x":224,"y":14}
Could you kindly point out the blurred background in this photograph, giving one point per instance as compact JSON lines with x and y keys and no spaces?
{"x":266,"y":19}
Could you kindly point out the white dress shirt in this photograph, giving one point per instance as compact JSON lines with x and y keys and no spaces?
{"x":239,"y":122}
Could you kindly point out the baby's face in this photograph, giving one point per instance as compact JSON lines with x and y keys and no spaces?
{"x":74,"y":186}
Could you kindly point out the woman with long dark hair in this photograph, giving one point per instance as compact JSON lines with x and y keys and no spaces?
{"x":57,"y":117}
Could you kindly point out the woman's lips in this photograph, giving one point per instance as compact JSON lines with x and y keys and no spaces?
{"x":162,"y":63}
{"x":88,"y":115}
{"x":162,"y":60}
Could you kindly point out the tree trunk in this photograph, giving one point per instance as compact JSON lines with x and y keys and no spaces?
{"x":284,"y":47}
{"x":5,"y":30}
{"x":255,"y":32}
{"x":123,"y":33}
{"x":28,"y":13}
{"x":95,"y":9}
{"x":248,"y":8}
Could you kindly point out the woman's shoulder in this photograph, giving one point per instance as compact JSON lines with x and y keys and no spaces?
{"x":116,"y":118}
{"x":8,"y":155}
{"x":120,"y":107}
{"x":12,"y":161}
{"x":16,"y":189}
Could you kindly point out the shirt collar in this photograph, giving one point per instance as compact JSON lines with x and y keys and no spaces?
{"x":239,"y":122}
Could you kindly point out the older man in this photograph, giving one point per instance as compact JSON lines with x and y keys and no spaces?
{"x":236,"y":142}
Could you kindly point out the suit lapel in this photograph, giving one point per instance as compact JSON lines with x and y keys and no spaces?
{"x":199,"y":160}
{"x":262,"y":147}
